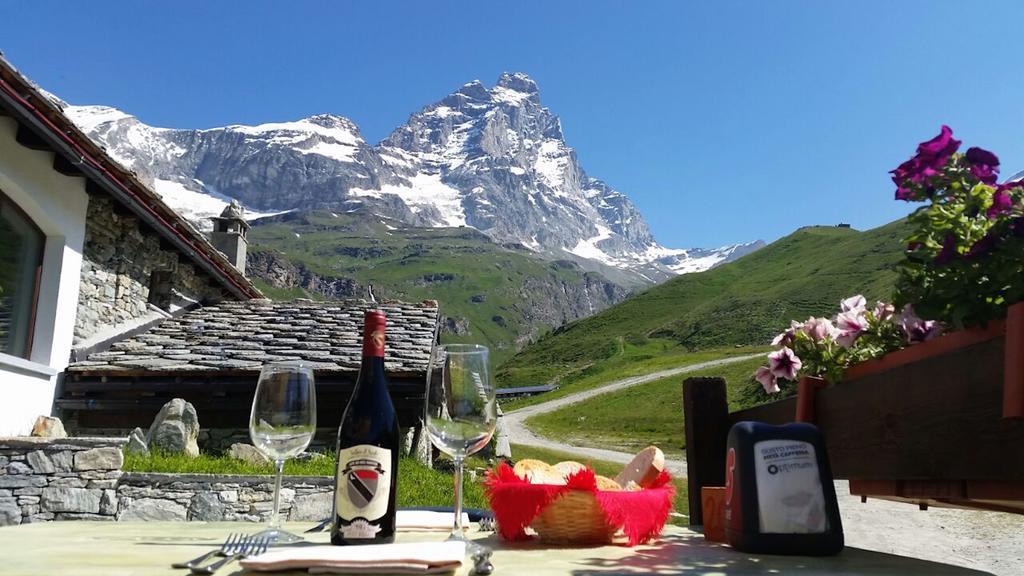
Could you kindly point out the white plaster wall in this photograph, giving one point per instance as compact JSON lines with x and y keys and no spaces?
{"x":58,"y":205}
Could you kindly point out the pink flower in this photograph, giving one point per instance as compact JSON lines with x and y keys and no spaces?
{"x":916,"y":329}
{"x":850,"y":325}
{"x":854,"y":304}
{"x":819,"y":329}
{"x":767,"y":379}
{"x":884,"y":311}
{"x":786,"y":338}
{"x":784,"y":364}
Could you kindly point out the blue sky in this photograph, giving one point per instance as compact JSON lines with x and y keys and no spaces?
{"x":723,"y":121}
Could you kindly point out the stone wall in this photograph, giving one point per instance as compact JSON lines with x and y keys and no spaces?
{"x":118,"y":266}
{"x":64,"y":479}
{"x":207,"y":497}
{"x":45,"y":479}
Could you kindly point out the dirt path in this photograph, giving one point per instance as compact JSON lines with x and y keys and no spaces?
{"x":991,"y":542}
{"x":519,"y":434}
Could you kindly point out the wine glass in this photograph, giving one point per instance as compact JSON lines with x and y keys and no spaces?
{"x":461,"y":412}
{"x":282,"y":423}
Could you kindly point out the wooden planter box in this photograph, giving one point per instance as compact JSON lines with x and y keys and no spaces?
{"x":938,"y":423}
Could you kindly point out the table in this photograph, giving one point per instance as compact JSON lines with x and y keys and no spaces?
{"x":82,"y":548}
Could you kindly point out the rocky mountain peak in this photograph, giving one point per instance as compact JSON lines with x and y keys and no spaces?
{"x":518,"y":81}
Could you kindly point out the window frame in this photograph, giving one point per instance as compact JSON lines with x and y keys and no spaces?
{"x":30,"y":336}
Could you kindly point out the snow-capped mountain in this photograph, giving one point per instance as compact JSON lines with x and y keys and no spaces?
{"x":489,"y":157}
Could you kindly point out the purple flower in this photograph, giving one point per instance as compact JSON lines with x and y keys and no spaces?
{"x":1001,"y":204}
{"x":916,"y":329}
{"x":1017,"y":226}
{"x":942,"y":146}
{"x":767,"y":379}
{"x":819,"y":329}
{"x":850,"y":325}
{"x":948,"y":251}
{"x":856,"y":303}
{"x":786,"y":338}
{"x":983,"y":247}
{"x":884,"y":311}
{"x":984,"y":164}
{"x":784,"y":364}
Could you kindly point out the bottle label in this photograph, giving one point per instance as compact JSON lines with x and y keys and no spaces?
{"x":363,"y":489}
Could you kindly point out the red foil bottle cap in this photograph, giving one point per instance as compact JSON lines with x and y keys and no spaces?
{"x":374,"y":323}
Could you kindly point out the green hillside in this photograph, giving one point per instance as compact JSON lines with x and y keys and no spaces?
{"x":745,"y":302}
{"x":500,"y":296}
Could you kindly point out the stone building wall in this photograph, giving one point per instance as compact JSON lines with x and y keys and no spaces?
{"x":118,"y":266}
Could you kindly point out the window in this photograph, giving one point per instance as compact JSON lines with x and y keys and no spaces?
{"x":21,"y":260}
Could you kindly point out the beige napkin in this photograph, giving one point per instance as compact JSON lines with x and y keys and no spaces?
{"x":427,"y":520}
{"x":405,"y":558}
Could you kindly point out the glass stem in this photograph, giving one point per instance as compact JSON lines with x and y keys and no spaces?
{"x":275,"y":517}
{"x":457,"y":528}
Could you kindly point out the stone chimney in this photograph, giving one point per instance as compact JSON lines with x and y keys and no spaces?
{"x":228,"y":236}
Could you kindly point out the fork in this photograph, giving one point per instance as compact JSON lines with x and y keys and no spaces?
{"x":231,"y":546}
{"x":251,"y":546}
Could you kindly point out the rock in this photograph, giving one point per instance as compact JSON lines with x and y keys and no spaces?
{"x":49,"y":427}
{"x":63,"y":461}
{"x":22,"y":481}
{"x":62,"y":499}
{"x":175,"y":429}
{"x":229,"y":496}
{"x":108,"y":503}
{"x":18,"y":468}
{"x":311,"y":507}
{"x":206,"y":507}
{"x":153,"y":510}
{"x":99,"y":459}
{"x":10,"y":514}
{"x":457,"y":326}
{"x":40,"y":462}
{"x":136,"y":443}
{"x":247,"y":453}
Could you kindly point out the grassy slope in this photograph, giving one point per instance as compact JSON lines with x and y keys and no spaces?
{"x":397,"y":259}
{"x":630,"y":419}
{"x":743,"y":302}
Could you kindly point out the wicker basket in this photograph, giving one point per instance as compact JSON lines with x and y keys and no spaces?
{"x":574,"y":517}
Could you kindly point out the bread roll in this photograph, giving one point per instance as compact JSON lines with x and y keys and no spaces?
{"x":644,"y":468}
{"x":537,"y":472}
{"x":607,"y":484}
{"x":568,"y":468}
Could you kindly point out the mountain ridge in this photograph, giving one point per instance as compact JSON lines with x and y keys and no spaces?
{"x":492,"y":158}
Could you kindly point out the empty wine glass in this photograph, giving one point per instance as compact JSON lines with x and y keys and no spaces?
{"x":461,"y":412}
{"x":282,"y":423}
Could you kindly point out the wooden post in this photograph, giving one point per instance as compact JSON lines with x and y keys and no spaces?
{"x":706,"y":419}
{"x":1013,"y":375}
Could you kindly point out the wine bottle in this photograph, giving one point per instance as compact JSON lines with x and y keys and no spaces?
{"x":367,"y":474}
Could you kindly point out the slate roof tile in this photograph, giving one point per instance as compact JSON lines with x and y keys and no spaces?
{"x":244,"y":335}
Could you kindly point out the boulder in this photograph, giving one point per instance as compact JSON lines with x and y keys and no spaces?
{"x":136,"y":443}
{"x":247,"y":453}
{"x":175,"y":429}
{"x":49,"y":427}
